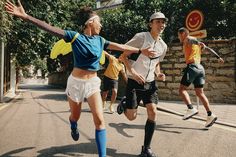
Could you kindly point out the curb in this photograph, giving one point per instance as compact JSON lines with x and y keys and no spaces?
{"x":194,"y":117}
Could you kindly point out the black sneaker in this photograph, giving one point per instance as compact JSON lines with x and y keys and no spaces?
{"x":121,"y":106}
{"x":147,"y":152}
{"x":75,"y":134}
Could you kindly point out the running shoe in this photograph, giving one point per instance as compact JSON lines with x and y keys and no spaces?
{"x":75,"y":134}
{"x":111,"y":108}
{"x":147,"y":152}
{"x":74,"y":130}
{"x":210,"y":120}
{"x":190,"y":113}
{"x":121,"y":106}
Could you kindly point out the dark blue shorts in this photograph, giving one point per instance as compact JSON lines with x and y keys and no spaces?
{"x":109,"y":84}
{"x":135,"y":92}
{"x":193,"y":73}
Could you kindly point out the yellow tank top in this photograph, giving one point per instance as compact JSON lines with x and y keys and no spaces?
{"x":192,"y":53}
{"x":113,"y":69}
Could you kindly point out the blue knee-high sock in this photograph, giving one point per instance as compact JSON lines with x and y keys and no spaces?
{"x":73,"y":124}
{"x":101,"y":140}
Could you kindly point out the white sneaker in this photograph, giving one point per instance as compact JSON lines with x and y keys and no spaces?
{"x":210,"y":120}
{"x":190,"y":113}
{"x":111,"y":108}
{"x":104,"y":105}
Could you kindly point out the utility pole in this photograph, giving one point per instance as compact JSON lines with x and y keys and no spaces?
{"x":2,"y":72}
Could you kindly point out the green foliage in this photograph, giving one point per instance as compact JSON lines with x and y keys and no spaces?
{"x":27,"y":42}
{"x":219,"y":18}
{"x":119,"y":25}
{"x":40,"y":64}
{"x":5,"y":22}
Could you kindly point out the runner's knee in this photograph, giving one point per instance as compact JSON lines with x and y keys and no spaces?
{"x":131,"y":115}
{"x":152,"y":112}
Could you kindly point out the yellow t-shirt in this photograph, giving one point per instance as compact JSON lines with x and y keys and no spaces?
{"x":113,"y":69}
{"x":192,"y":53}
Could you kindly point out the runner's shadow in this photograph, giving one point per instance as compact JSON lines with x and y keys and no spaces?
{"x":11,"y":153}
{"x":81,"y":149}
{"x":120,"y":127}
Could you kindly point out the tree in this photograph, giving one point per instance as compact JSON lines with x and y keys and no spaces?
{"x":26,"y":42}
{"x":40,"y":64}
{"x":122,"y":23}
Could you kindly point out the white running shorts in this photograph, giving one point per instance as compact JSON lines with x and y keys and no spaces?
{"x":79,"y":89}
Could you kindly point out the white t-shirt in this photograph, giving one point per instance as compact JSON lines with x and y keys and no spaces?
{"x":142,"y":64}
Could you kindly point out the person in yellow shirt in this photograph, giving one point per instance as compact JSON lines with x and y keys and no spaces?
{"x":194,"y":74}
{"x":110,"y":80}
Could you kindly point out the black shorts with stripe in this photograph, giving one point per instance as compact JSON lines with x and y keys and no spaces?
{"x":195,"y":74}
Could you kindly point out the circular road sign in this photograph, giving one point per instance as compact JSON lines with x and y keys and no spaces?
{"x":194,"y":20}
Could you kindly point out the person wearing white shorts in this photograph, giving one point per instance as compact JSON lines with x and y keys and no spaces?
{"x":87,"y":49}
{"x":79,"y":89}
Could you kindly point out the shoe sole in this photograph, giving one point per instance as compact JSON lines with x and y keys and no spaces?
{"x":120,"y":109}
{"x":186,"y":118}
{"x":144,"y":155}
{"x":212,"y":122}
{"x":75,"y":137}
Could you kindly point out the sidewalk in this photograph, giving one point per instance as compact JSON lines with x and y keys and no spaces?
{"x":225,"y":112}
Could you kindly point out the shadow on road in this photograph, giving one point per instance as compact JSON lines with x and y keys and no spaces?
{"x":11,"y":153}
{"x":38,"y":87}
{"x":56,"y":97}
{"x":120,"y":127}
{"x":69,"y":150}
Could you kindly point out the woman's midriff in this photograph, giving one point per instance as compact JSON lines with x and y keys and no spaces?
{"x":83,"y":74}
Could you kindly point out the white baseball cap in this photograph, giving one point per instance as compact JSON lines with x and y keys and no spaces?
{"x":158,"y":15}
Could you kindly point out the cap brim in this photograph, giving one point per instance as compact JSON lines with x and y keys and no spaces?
{"x":166,"y":19}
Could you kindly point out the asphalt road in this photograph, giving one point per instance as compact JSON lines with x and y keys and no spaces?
{"x":35,"y":123}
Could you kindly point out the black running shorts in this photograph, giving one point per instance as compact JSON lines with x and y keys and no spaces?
{"x":109,"y":84}
{"x":135,"y":92}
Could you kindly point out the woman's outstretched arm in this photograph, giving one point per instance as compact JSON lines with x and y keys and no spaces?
{"x":19,"y":11}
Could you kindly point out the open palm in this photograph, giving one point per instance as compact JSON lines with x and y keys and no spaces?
{"x":15,"y":10}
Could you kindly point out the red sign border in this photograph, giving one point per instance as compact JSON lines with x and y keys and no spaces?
{"x":201,"y":22}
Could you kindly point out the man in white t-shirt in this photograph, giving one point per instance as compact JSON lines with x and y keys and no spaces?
{"x":141,"y":72}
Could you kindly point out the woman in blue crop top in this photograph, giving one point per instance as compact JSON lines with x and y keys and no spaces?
{"x":83,"y":81}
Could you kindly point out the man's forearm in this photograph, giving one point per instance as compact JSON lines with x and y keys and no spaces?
{"x":208,"y":49}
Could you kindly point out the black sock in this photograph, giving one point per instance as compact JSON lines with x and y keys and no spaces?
{"x":209,"y":113}
{"x":149,"y":130}
{"x":190,"y":106}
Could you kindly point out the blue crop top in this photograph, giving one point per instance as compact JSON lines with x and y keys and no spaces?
{"x":87,"y":50}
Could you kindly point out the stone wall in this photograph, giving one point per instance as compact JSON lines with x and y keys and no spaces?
{"x":58,"y":79}
{"x":220,"y":78}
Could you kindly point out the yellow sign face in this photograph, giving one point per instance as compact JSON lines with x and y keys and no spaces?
{"x":194,"y":20}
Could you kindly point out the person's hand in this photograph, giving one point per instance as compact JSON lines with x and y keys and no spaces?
{"x":149,"y":52}
{"x":122,"y":58}
{"x":203,"y":46}
{"x":221,"y":60}
{"x":161,"y":76}
{"x":137,"y":77}
{"x":16,"y":10}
